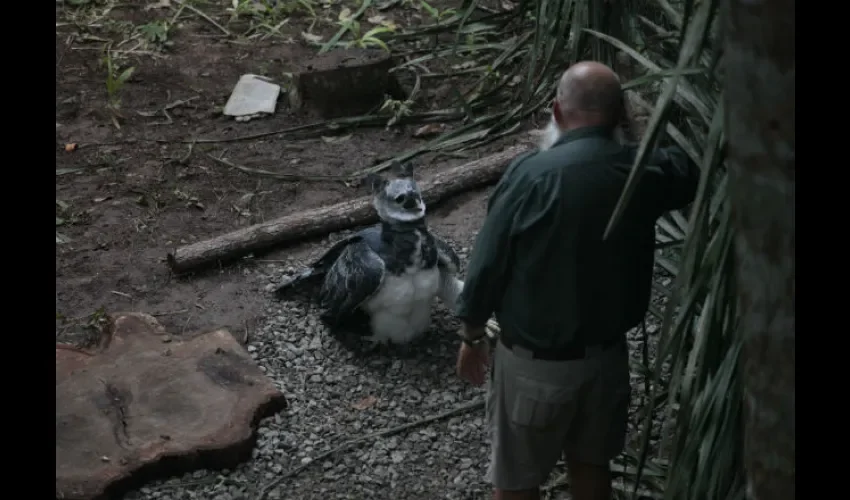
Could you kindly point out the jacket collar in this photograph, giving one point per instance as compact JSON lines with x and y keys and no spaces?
{"x":583,"y":132}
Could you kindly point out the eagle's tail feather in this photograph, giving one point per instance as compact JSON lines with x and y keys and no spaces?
{"x":304,"y":275}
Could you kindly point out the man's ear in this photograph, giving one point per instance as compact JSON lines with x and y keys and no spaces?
{"x":556,"y":113}
{"x":375,"y":182}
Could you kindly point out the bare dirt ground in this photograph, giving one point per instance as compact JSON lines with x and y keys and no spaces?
{"x":127,"y":196}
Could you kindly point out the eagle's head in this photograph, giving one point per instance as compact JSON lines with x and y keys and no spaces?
{"x":398,"y":198}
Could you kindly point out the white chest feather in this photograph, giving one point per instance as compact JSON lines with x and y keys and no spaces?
{"x":401,"y":310}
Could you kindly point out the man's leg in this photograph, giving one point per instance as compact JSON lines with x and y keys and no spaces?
{"x":530,"y":405}
{"x":589,"y":482}
{"x":599,"y":431}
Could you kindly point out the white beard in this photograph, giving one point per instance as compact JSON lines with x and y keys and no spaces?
{"x":550,"y":135}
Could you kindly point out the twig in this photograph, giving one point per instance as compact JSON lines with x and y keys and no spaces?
{"x":136,"y":52}
{"x":68,"y":42}
{"x":460,"y":410}
{"x":164,"y":110}
{"x":208,"y":18}
{"x":276,"y":175}
{"x":169,"y":313}
{"x":180,"y":102}
{"x":69,"y":347}
{"x":186,"y":324}
{"x":177,"y":14}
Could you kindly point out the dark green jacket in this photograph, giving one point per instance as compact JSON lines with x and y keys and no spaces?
{"x":540,"y":262}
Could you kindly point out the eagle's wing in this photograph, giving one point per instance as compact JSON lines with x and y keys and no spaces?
{"x":321,"y":265}
{"x":448,"y":263}
{"x":354,"y":277}
{"x":450,"y":286}
{"x":446,"y":257}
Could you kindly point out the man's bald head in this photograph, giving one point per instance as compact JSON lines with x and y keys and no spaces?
{"x":589,"y":94}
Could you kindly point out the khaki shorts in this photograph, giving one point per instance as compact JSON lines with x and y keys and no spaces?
{"x":537,"y":410}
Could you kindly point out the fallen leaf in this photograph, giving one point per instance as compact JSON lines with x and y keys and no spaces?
{"x":429,"y":129}
{"x":344,"y":14}
{"x":310,"y":37}
{"x":244,"y":201}
{"x":376,"y":19}
{"x":61,"y":238}
{"x":365,"y":403}
{"x":336,"y":139}
{"x":101,"y":199}
{"x":70,"y":147}
{"x":161,"y":4}
{"x":59,"y":221}
{"x":464,"y":65}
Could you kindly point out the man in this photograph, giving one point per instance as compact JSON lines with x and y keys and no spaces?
{"x":563,"y":296}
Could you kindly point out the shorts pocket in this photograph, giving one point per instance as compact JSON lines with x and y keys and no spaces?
{"x":539,"y":405}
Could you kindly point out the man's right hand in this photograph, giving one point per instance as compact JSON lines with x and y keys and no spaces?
{"x":473,"y":361}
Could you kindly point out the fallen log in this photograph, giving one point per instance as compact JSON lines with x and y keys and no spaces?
{"x":325,"y":220}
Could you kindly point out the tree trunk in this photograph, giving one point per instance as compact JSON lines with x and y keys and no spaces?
{"x":759,"y":94}
{"x":346,"y":82}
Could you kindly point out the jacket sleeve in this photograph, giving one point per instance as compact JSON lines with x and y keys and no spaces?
{"x":680,"y":178}
{"x":516,"y":204}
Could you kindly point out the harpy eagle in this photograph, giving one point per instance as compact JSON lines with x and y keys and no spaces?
{"x":391,"y":271}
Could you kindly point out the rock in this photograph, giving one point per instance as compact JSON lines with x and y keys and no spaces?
{"x":136,"y":405}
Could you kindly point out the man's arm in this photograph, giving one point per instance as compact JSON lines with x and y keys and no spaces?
{"x":680,"y":178}
{"x":680,"y":174}
{"x":513,"y":207}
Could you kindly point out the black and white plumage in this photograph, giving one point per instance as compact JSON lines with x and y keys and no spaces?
{"x":391,"y":271}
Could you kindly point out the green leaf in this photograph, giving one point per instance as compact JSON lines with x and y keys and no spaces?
{"x":126,"y":74}
{"x":431,"y":10}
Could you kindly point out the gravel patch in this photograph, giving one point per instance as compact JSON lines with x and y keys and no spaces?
{"x":337,"y":395}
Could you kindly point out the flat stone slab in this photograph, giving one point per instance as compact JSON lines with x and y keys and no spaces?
{"x":252,"y":96}
{"x":145,"y":405}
